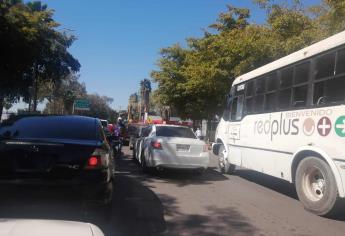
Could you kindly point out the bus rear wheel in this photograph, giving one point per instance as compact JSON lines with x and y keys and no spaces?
{"x":224,"y":166}
{"x":316,"y":187}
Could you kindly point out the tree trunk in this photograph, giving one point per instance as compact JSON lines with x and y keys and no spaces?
{"x":1,"y":106}
{"x":29,"y":102}
{"x":35,"y":94}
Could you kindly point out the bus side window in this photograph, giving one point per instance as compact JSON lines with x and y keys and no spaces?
{"x":237,"y":103}
{"x":259,"y":95}
{"x":237,"y":108}
{"x":300,"y":96}
{"x":330,"y":90}
{"x":285,"y":93}
{"x":302,"y":73}
{"x":271,"y":95}
{"x":300,"y":90}
{"x":248,"y":108}
{"x":325,"y":66}
{"x":233,"y":109}
{"x":340,"y":62}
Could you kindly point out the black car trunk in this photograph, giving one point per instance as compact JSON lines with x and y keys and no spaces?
{"x":46,"y":160}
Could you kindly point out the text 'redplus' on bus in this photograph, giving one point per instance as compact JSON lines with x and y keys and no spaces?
{"x":287,"y":119}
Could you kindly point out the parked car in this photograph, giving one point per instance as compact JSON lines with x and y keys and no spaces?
{"x":58,"y":150}
{"x":172,"y":146}
{"x":133,"y":132}
{"x":106,"y":130}
{"x":33,"y":227}
{"x":105,"y":123}
{"x":143,"y":132}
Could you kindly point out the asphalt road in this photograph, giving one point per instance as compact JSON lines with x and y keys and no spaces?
{"x":179,"y":203}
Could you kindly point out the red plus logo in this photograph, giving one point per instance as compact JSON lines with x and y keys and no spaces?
{"x":324,"y":126}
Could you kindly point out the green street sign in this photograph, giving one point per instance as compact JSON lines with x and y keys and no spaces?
{"x":340,"y":126}
{"x":81,"y":105}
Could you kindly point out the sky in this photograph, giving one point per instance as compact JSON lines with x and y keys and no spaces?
{"x":119,"y":40}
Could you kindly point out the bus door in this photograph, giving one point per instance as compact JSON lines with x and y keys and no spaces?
{"x":234,"y":127}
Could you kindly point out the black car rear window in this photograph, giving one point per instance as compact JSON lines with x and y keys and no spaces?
{"x":50,"y":127}
{"x":104,"y":123}
{"x":171,"y":131}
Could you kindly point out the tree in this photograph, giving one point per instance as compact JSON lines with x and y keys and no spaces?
{"x":329,"y":16}
{"x":100,"y":107}
{"x":169,"y":77}
{"x":195,"y":79}
{"x":133,"y":107}
{"x":30,"y":28}
{"x":234,"y":18}
{"x":61,"y":95}
{"x":16,"y":36}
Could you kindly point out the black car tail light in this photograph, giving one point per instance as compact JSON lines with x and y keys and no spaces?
{"x":94,"y":161}
{"x":98,"y":159}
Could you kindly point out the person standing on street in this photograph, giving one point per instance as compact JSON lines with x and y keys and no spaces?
{"x":198,"y":133}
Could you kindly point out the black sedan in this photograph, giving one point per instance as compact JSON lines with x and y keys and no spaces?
{"x":58,"y":150}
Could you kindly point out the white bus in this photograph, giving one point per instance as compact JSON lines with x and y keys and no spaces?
{"x":287,"y":119}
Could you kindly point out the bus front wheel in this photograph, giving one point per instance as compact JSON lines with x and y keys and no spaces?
{"x":224,"y":166}
{"x":316,"y":187}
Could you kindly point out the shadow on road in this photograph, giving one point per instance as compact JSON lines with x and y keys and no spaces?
{"x":281,"y":186}
{"x":136,"y":210}
{"x":139,"y":209}
{"x":184,"y":178}
{"x":268,"y":181}
{"x":179,"y":177}
{"x":216,"y":221}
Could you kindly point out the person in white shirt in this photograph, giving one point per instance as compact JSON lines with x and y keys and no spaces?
{"x":198,"y":133}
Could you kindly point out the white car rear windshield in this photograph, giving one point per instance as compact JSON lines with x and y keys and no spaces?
{"x":180,"y":132}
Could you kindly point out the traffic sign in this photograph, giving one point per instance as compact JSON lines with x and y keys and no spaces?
{"x":81,"y":105}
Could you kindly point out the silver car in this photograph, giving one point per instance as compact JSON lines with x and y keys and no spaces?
{"x":138,"y":145}
{"x":172,"y":146}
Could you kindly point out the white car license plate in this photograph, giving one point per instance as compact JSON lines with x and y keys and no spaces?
{"x":182,"y":147}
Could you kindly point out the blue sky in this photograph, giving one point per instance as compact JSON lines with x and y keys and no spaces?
{"x":119,"y":40}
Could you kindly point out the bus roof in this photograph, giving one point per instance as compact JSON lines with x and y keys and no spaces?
{"x":316,"y":48}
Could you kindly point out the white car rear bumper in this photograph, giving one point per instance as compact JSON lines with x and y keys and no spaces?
{"x":160,"y":159}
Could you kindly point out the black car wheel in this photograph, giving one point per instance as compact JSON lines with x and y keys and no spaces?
{"x":144,"y":168}
{"x":133,"y":154}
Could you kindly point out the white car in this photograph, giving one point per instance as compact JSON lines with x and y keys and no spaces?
{"x":138,"y":147}
{"x":172,"y":147}
{"x":20,"y":227}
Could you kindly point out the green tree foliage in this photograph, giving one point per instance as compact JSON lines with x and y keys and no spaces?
{"x":100,"y":107}
{"x":61,"y":95}
{"x":330,"y":16}
{"x":234,"y":18}
{"x":32,"y":49}
{"x":194,"y":80}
